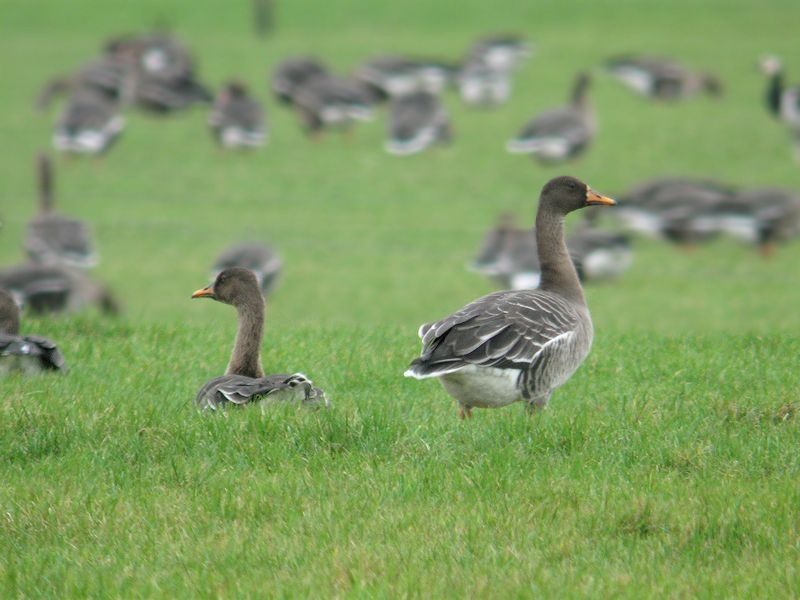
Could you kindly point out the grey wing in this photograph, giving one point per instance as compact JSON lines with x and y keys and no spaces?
{"x":240,"y":390}
{"x":50,"y":355}
{"x":503,"y":330}
{"x":62,"y":238}
{"x":38,"y":350}
{"x":566,"y":123}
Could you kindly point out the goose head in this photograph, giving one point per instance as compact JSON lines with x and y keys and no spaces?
{"x":9,"y":314}
{"x":565,"y":194}
{"x":236,"y":286}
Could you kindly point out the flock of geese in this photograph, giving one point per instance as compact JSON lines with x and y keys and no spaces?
{"x":514,"y":345}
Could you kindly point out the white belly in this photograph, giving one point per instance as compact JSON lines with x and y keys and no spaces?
{"x":483,"y":387}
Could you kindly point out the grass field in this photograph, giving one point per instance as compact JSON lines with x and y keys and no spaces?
{"x":667,"y":466}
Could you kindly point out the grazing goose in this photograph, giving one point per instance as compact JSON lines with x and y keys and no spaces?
{"x":391,"y":76}
{"x":330,"y":101}
{"x":661,"y":78}
{"x":292,"y":73}
{"x":244,"y":381}
{"x":262,"y":260}
{"x":89,"y":124}
{"x":417,"y":121}
{"x":674,"y":208}
{"x":518,"y":345}
{"x":561,"y":133}
{"x":28,"y":354}
{"x":56,"y":288}
{"x":52,"y":238}
{"x":237,"y":120}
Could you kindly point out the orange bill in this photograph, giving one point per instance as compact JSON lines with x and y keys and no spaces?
{"x":593,"y":197}
{"x":206,"y":292}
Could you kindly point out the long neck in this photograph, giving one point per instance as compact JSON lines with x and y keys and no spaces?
{"x":45,"y":184}
{"x":579,"y":99}
{"x":558,"y":272}
{"x":774,"y":92}
{"x":246,"y":355}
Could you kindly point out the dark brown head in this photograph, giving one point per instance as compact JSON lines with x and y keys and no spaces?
{"x":9,"y":314}
{"x":236,"y":286}
{"x":564,"y":194}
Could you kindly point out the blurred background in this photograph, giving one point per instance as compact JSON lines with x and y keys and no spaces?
{"x":371,"y":239}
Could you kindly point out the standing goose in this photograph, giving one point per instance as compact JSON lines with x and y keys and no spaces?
{"x":561,"y":133}
{"x":244,"y":381}
{"x":417,"y":121}
{"x":237,"y":120}
{"x":262,"y":260}
{"x":28,"y":354}
{"x":52,"y":238}
{"x":661,"y":78}
{"x":782,"y":101}
{"x":518,"y":345}
{"x":89,"y":124}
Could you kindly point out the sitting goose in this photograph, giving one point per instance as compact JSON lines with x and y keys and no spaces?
{"x":518,"y":345}
{"x":237,"y":120}
{"x":262,"y":260}
{"x":52,"y":238}
{"x":331,"y":101}
{"x":244,"y":381}
{"x":292,"y":73}
{"x":661,"y":78}
{"x":56,"y":288}
{"x":89,"y":124}
{"x":28,"y":354}
{"x":417,"y":121}
{"x":561,"y":133}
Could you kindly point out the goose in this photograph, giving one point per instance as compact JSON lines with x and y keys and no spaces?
{"x":291,"y":73}
{"x":237,"y":120}
{"x":561,"y":133}
{"x":244,"y":381}
{"x":89,"y":124}
{"x":783,"y":102}
{"x":417,"y":121}
{"x":517,"y":345}
{"x":674,"y":208}
{"x":28,"y":354}
{"x":391,"y":75}
{"x":56,"y":288}
{"x":52,"y":238}
{"x":480,"y":85}
{"x":106,"y":75}
{"x":262,"y":260}
{"x":600,"y":254}
{"x":331,"y":101}
{"x":502,"y":52}
{"x":661,"y":78}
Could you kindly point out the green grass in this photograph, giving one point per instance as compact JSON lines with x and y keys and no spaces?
{"x":667,"y":466}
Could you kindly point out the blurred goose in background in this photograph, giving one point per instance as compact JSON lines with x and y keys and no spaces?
{"x":417,"y":121}
{"x":392,"y":76}
{"x":517,"y":345}
{"x":28,"y":354}
{"x":89,"y":124}
{"x":599,"y":254}
{"x":44,"y":289}
{"x":661,"y":78}
{"x":783,"y":102}
{"x":244,"y":381}
{"x":291,"y":73}
{"x":763,"y":217}
{"x":675,"y":209}
{"x":327,"y":101}
{"x":52,"y":238}
{"x":259,"y":258}
{"x":484,"y":79}
{"x":559,"y":134}
{"x":237,"y":120}
{"x":107,"y":75}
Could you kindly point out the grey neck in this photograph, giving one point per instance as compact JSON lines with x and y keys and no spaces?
{"x":558,"y":272}
{"x":45,"y":184}
{"x":246,"y":355}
